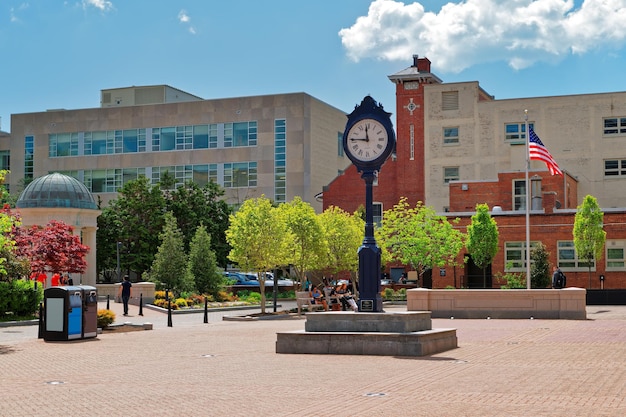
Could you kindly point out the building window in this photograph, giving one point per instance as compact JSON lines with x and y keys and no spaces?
{"x":519,"y":195}
{"x":515,"y":133}
{"x":412,"y":142}
{"x":62,"y":144}
{"x":377,"y":214}
{"x":240,"y":134}
{"x":450,"y":174}
{"x":614,"y":126}
{"x":450,"y":100}
{"x":240,"y":174}
{"x":567,"y":257}
{"x":450,"y":135}
{"x":615,"y":168}
{"x":340,"y":151}
{"x":184,"y":137}
{"x":29,"y":149}
{"x":515,"y":255}
{"x":280,"y":159}
{"x":5,"y":160}
{"x":615,"y":256}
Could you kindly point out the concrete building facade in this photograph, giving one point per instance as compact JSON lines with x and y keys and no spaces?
{"x":280,"y":146}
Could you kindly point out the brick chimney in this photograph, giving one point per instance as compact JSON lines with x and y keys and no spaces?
{"x":549,"y":201}
{"x":422,"y":64}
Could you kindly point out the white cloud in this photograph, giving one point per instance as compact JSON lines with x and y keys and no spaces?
{"x":520,"y":32}
{"x":13,"y":12}
{"x":184,"y":18}
{"x":103,"y":5}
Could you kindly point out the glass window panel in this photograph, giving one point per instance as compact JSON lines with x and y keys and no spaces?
{"x":167,"y":139}
{"x":201,"y":137}
{"x":130,"y":141}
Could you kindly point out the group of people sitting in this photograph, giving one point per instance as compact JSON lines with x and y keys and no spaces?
{"x":339,"y":294}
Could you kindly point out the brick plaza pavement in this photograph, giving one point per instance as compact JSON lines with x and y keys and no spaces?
{"x":230,"y":368}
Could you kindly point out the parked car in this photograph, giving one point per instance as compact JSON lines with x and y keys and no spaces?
{"x":269,"y":279}
{"x":238,"y":278}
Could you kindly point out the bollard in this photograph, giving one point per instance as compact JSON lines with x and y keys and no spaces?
{"x":141,"y":304}
{"x":169,"y":313}
{"x":108,"y":302}
{"x":40,"y":331}
{"x":206,"y":310}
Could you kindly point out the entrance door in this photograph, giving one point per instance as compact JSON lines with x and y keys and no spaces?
{"x":474,"y":275}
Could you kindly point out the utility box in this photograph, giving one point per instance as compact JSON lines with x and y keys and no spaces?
{"x":90,"y":311}
{"x":70,"y":312}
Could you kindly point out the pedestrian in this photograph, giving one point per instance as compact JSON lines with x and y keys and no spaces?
{"x":558,"y":278}
{"x":125,"y":293}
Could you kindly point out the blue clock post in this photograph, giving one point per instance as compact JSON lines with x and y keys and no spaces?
{"x":368,"y":141}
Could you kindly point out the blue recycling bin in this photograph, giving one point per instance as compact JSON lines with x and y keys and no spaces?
{"x":70,"y":312}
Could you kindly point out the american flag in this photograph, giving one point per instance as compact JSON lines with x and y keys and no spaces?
{"x":539,"y":152}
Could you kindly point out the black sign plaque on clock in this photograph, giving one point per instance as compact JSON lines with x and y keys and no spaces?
{"x":368,"y":141}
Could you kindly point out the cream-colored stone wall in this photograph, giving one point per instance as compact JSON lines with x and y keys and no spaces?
{"x":571,"y":127}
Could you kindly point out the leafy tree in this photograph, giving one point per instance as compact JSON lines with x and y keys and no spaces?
{"x":539,"y":267}
{"x":419,"y":237}
{"x":259,"y":237}
{"x":170,"y":262}
{"x":589,"y":234}
{"x":482,"y":238}
{"x":135,"y":219}
{"x":201,"y":266}
{"x":193,"y":205}
{"x":52,"y":248}
{"x":344,"y":235}
{"x":308,"y":244}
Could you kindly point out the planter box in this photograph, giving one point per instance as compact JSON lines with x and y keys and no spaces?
{"x":568,"y":303}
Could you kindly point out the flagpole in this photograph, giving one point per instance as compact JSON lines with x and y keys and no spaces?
{"x":528,"y":197}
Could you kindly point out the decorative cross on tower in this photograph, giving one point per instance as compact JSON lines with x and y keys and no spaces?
{"x":411,"y":107}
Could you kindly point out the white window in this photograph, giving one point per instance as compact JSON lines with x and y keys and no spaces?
{"x":450,"y":174}
{"x":515,"y":133}
{"x":450,"y":135}
{"x":515,"y":255}
{"x":567,"y":257}
{"x":615,"y":168}
{"x":377,"y":214}
{"x":614,"y":126}
{"x":615,"y":255}
{"x":519,"y":195}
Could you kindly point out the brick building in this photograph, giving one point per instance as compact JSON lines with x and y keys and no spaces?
{"x":458,"y":146}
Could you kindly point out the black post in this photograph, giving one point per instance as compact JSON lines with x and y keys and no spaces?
{"x":141,"y":304}
{"x":108,"y":302}
{"x":206,"y":309}
{"x":370,"y":299}
{"x":40,"y":331}
{"x":169,"y":308}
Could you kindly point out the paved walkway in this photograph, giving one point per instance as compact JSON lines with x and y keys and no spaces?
{"x":230,"y":368}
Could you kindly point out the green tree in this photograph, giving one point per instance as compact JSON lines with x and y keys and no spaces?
{"x":308,"y":245}
{"x":193,"y":205}
{"x":344,"y":233}
{"x":482,"y":239}
{"x":419,"y":237}
{"x":170,"y":262}
{"x":201,"y":265}
{"x":259,"y":238}
{"x":539,"y":267}
{"x":589,"y":234}
{"x":135,"y":219}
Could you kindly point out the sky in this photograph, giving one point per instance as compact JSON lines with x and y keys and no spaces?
{"x":60,"y":54}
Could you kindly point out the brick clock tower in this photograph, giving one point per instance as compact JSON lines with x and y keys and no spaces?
{"x":403,"y":174}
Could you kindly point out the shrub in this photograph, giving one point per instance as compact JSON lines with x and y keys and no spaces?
{"x":180,"y":303}
{"x":19,"y":297}
{"x":160,"y":295}
{"x":105,"y":318}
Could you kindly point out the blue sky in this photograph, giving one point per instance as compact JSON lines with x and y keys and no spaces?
{"x":60,"y":54}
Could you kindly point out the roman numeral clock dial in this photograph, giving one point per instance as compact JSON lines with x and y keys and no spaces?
{"x":367,"y":140}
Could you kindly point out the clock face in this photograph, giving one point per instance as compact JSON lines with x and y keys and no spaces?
{"x":367,"y":140}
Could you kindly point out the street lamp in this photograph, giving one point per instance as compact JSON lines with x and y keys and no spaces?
{"x":119,"y":271}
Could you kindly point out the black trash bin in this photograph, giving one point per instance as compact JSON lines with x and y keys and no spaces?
{"x":63,"y":313}
{"x":90,"y":311}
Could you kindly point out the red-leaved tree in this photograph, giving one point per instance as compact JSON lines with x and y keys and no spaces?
{"x":53,"y":248}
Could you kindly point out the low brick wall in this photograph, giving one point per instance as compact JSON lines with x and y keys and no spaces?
{"x":568,"y":303}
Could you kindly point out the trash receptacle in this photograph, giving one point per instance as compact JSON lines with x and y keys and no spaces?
{"x":63,"y":313}
{"x":90,"y":311}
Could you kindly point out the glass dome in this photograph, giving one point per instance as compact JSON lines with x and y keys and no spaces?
{"x":56,"y":191}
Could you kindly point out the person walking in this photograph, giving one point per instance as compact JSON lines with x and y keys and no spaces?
{"x":126,"y":293}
